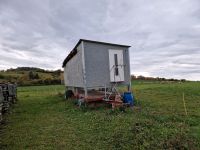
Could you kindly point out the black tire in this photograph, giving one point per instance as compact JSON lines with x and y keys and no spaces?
{"x":69,"y":94}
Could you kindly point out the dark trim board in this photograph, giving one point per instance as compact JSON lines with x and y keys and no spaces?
{"x":71,"y":54}
{"x":74,"y":50}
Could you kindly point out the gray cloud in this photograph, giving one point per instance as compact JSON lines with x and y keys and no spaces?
{"x":165,"y":35}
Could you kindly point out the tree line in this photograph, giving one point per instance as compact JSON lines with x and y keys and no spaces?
{"x":140,"y":77}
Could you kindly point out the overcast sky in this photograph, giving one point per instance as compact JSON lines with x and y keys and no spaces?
{"x":164,"y":35}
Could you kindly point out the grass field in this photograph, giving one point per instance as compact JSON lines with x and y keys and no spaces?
{"x":42,"y":120}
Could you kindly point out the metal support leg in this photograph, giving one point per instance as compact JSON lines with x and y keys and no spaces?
{"x":86,"y":92}
{"x":66,"y":89}
{"x":129,"y":87}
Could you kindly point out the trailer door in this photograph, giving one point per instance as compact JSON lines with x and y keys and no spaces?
{"x":116,"y":65}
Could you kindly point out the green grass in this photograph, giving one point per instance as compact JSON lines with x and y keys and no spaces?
{"x":42,"y":120}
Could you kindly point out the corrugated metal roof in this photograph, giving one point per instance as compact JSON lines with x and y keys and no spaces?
{"x":74,"y":50}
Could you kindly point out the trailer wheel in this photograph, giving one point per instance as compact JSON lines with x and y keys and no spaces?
{"x":69,"y":94}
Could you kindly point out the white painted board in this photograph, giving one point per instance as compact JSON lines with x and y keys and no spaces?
{"x":116,"y":64}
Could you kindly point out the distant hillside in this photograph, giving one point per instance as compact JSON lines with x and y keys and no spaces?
{"x":37,"y":76}
{"x":31,"y":76}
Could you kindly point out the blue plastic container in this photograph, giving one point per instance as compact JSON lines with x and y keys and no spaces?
{"x":128,"y":98}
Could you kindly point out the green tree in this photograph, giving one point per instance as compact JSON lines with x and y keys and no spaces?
{"x":36,"y":76}
{"x":31,"y":75}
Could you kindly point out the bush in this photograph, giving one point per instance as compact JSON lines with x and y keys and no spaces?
{"x":2,"y":76}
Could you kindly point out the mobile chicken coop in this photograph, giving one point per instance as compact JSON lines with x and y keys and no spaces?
{"x":94,"y":65}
